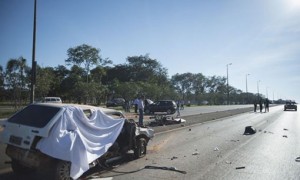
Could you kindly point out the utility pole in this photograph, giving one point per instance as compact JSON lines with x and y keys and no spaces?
{"x":258,"y":88}
{"x":247,"y":88}
{"x":33,"y":66}
{"x":228,"y":83}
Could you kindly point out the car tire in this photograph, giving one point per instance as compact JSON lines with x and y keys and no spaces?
{"x":19,"y":168}
{"x":62,"y":170}
{"x":141,"y":148}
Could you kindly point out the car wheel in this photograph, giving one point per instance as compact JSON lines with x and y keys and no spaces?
{"x":19,"y":168}
{"x":62,"y":170}
{"x":141,"y":148}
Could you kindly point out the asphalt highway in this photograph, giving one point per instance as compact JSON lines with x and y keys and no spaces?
{"x":162,"y":139}
{"x":219,"y":149}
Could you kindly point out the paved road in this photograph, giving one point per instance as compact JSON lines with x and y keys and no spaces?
{"x":5,"y":171}
{"x":219,"y":150}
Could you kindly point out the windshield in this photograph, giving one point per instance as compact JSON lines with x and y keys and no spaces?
{"x":34,"y":115}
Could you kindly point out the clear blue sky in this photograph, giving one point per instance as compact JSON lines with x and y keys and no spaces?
{"x":259,"y":37}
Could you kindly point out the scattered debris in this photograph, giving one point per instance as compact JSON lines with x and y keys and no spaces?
{"x":285,"y":136}
{"x":165,"y":168}
{"x":297,"y":159}
{"x":234,"y":140}
{"x":242,"y":167}
{"x":249,"y":130}
{"x":174,"y":157}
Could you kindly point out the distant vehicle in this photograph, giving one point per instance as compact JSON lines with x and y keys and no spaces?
{"x":52,"y":100}
{"x":68,"y":139}
{"x":167,"y":106}
{"x":115,"y":102}
{"x":148,"y":102}
{"x":290,"y":105}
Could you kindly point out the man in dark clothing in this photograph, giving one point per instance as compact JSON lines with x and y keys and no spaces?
{"x":260,"y":105}
{"x":255,"y":105}
{"x":267,"y":105}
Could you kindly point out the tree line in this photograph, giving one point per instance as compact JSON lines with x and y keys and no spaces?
{"x":88,"y":78}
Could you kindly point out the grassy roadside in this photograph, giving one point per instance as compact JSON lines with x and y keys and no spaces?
{"x":6,"y":112}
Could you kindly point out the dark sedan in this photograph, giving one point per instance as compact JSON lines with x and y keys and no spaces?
{"x":167,"y":106}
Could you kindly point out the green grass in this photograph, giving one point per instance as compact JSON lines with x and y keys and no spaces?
{"x":7,"y":110}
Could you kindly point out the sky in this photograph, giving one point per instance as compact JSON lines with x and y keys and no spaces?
{"x":257,"y":37}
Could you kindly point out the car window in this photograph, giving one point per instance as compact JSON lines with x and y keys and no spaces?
{"x":34,"y":115}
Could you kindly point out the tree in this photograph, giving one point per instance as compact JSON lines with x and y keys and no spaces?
{"x":69,"y":83}
{"x":183,"y":83}
{"x":84,"y":54}
{"x":16,"y":79}
{"x":45,"y":80}
{"x":97,"y":74}
{"x":60,"y":73}
{"x":143,"y":68}
{"x":2,"y":90}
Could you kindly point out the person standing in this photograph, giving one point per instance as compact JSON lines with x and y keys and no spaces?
{"x":135,"y":102}
{"x":267,"y":105}
{"x":260,"y":105}
{"x":178,"y":108}
{"x":141,"y":110}
{"x":255,"y":105}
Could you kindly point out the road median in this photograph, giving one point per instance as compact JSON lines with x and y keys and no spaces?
{"x":201,"y":118}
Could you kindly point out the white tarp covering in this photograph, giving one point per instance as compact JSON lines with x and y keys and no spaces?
{"x":79,"y":139}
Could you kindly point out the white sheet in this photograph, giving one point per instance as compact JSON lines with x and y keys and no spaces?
{"x":80,"y":140}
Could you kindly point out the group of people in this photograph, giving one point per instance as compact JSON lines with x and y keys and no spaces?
{"x":260,"y":103}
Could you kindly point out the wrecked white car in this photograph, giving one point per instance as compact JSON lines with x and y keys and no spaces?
{"x":69,"y":139}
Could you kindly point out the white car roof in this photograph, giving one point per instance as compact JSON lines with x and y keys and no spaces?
{"x":82,"y":106}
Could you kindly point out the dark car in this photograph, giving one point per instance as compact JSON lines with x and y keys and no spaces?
{"x":167,"y":106}
{"x":290,"y":105}
{"x":115,"y":102}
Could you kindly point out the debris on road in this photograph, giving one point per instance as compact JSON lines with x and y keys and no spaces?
{"x":249,"y":130}
{"x":174,"y":157}
{"x":165,"y":168}
{"x":234,"y":140}
{"x":228,"y":162}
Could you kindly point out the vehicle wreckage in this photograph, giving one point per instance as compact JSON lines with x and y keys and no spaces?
{"x":69,"y":138}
